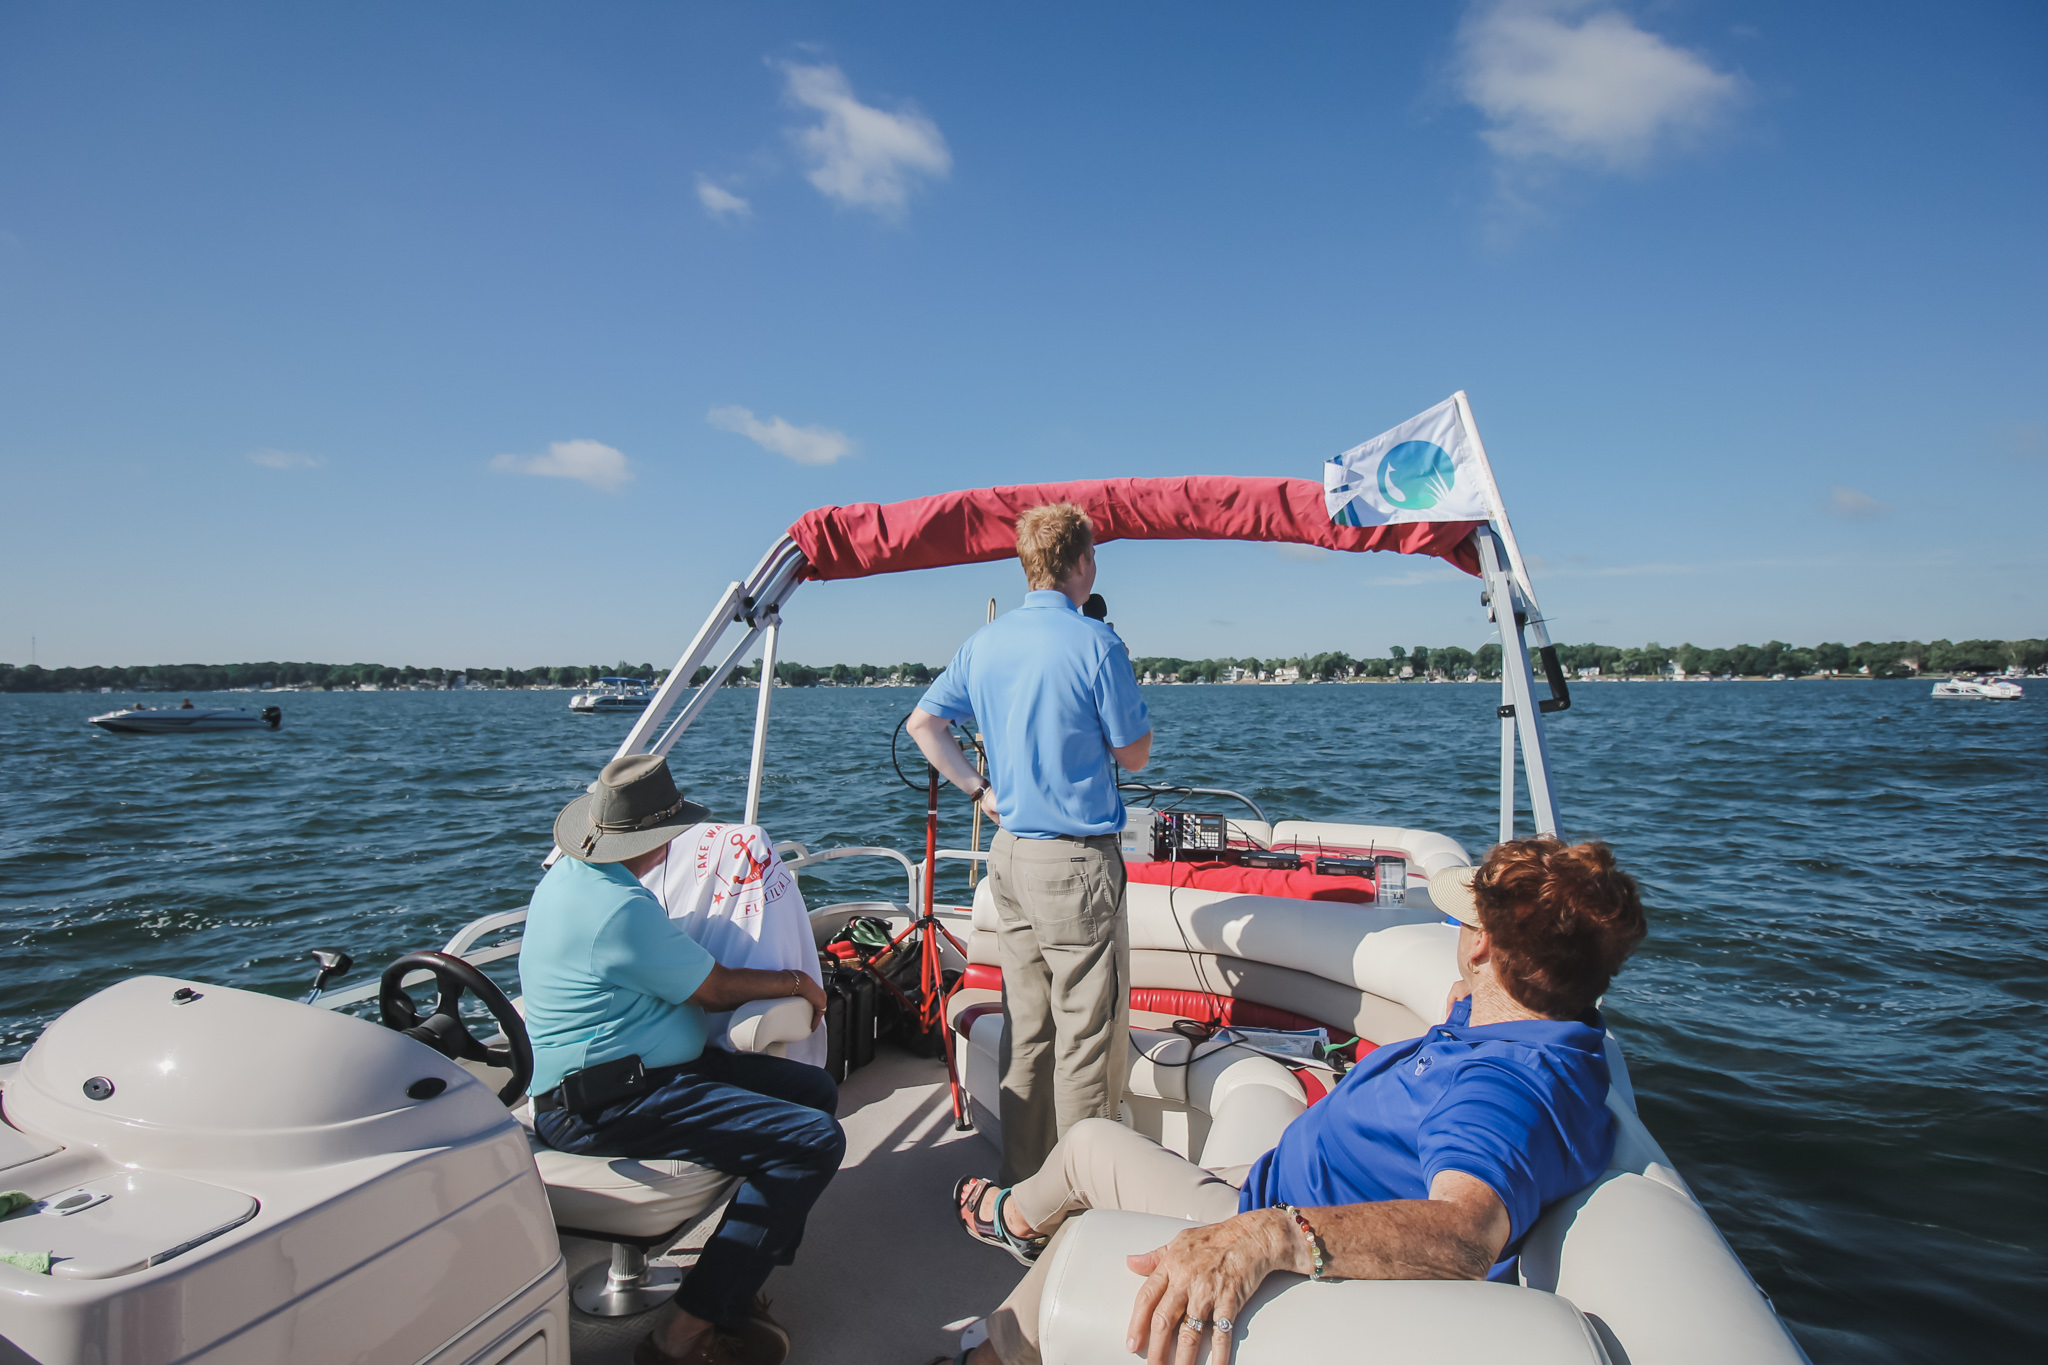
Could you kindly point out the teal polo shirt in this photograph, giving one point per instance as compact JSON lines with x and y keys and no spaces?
{"x":1052,"y":691}
{"x":606,"y":974}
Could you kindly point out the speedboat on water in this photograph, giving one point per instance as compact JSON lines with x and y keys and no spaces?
{"x":1983,"y":687}
{"x":221,"y":1176}
{"x":188,"y":719}
{"x":613,"y":694}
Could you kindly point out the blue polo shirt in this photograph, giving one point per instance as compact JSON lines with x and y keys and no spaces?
{"x":1520,"y":1106}
{"x":1053,"y":692}
{"x":606,"y":973}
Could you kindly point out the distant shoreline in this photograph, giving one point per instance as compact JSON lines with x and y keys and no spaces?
{"x":1772,"y":661}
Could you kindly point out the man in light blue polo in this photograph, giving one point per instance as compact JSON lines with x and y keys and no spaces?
{"x":1059,"y":710}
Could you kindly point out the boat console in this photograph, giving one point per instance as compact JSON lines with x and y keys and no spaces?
{"x":223,"y":1176}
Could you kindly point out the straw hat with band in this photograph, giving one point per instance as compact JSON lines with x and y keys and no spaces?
{"x":632,"y":808}
{"x":1451,"y":892}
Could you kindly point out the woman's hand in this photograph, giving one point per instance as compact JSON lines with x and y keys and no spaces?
{"x":988,"y":806}
{"x":1206,"y":1273}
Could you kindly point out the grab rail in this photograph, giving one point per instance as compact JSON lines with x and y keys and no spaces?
{"x":805,"y":858}
{"x":1164,"y":789}
{"x":476,"y":929}
{"x":470,"y":934}
{"x":334,"y":1000}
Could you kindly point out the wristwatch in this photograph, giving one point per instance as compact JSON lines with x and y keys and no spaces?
{"x":976,"y":798}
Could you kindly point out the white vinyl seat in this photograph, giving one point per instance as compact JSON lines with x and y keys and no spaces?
{"x":642,"y":1205}
{"x":1086,"y":1310}
{"x":1227,"y":1107}
{"x":625,"y":1199}
{"x":1642,"y":1260}
{"x":1628,"y":1269}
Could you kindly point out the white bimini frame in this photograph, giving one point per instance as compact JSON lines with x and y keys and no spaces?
{"x":753,"y":608}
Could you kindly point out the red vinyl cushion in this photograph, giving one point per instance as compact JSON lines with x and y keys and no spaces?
{"x":1206,"y":1008}
{"x":980,"y":976}
{"x":1311,"y":1083}
{"x":1303,"y":885}
{"x":963,"y":1022}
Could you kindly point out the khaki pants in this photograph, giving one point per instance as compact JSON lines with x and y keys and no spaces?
{"x":1102,"y":1165}
{"x":1066,"y":958}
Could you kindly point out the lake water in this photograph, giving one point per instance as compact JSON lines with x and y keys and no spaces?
{"x":1837,"y":1026}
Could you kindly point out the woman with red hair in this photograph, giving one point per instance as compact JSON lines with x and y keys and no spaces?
{"x":1431,"y":1159}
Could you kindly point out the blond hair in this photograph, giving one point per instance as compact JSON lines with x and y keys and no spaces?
{"x":1052,"y":541}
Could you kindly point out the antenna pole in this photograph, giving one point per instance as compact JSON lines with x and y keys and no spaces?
{"x":981,"y":767}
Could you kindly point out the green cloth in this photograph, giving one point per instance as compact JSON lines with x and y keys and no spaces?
{"x":35,"y":1262}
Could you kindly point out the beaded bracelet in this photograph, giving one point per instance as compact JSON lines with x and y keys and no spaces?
{"x":1315,"y":1243}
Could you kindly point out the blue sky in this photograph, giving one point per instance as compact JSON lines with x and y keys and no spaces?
{"x":503,"y":334}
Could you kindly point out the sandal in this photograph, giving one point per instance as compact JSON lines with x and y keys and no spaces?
{"x":968,"y":1193}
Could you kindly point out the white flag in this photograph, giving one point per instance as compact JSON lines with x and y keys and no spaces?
{"x":1422,"y":470}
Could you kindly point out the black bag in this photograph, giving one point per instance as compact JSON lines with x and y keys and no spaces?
{"x":835,"y":1031}
{"x":903,"y":968}
{"x":837,"y":1014}
{"x":860,"y":1018}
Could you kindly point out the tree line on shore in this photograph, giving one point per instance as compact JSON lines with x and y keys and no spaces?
{"x":1889,"y":659}
{"x":226,"y":677}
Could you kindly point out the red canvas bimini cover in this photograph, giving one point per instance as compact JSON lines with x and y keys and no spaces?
{"x":980,"y":524}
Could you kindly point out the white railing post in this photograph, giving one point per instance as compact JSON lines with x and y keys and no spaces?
{"x":758,"y":766}
{"x":1518,"y":692}
{"x":678,"y":680}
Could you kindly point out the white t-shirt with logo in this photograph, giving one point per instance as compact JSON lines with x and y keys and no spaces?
{"x":730,"y":893}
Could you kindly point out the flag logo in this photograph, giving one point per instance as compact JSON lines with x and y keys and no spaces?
{"x":1423,"y":470}
{"x":1417,"y":475}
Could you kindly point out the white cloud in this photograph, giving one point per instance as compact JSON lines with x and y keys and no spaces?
{"x":805,"y":445}
{"x":1578,"y":81}
{"x":590,"y":462}
{"x":1307,"y":553}
{"x":859,"y":155}
{"x":1851,"y":505}
{"x":284,"y":459}
{"x":720,"y":202}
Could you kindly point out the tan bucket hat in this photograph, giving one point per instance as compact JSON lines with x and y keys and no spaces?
{"x":1450,"y":891}
{"x":632,"y":808}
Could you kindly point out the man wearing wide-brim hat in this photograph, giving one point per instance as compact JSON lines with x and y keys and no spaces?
{"x":609,"y":978}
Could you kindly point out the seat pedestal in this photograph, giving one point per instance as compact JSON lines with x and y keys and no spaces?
{"x":629,"y":1284}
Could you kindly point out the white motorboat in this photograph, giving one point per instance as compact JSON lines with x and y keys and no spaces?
{"x":229,"y":1177}
{"x":1983,"y":687}
{"x":142,"y":720}
{"x":613,"y":694}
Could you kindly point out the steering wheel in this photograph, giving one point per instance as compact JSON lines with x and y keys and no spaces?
{"x":444,"y":1031}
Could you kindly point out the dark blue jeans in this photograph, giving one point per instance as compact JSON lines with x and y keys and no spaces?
{"x":765,"y":1119}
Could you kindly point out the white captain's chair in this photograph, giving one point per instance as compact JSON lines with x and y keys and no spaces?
{"x":643,"y":1207}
